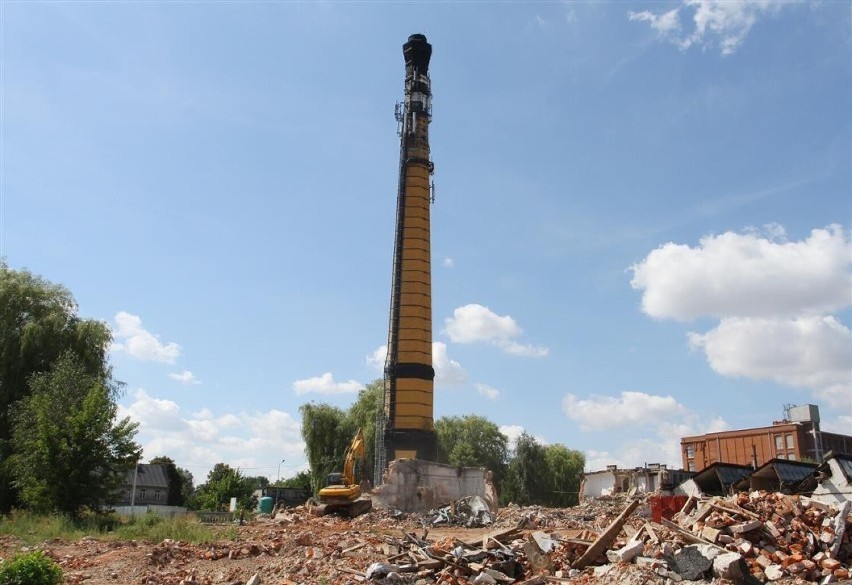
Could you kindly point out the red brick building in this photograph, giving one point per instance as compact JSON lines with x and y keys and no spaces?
{"x":797,"y":438}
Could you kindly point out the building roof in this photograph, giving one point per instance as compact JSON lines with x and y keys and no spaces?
{"x":791,"y":471}
{"x":148,"y":475}
{"x":781,"y":474}
{"x":717,"y":477}
{"x":777,"y":427}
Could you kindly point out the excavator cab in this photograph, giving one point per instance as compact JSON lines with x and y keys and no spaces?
{"x":334,"y":478}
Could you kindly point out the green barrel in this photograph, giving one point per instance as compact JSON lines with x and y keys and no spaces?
{"x":266,"y":504}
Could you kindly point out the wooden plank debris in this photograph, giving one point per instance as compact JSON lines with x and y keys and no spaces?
{"x":605,"y":539}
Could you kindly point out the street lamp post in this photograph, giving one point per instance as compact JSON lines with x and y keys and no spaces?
{"x":279,"y":471}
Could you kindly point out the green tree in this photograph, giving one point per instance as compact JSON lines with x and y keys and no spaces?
{"x":526,"y":476}
{"x":564,"y":472}
{"x":224,"y":483}
{"x":258,"y":481}
{"x":70,"y":453}
{"x":326,"y":436}
{"x":180,"y":480}
{"x":362,"y":415}
{"x":472,"y":441}
{"x":301,"y":480}
{"x":38,"y":323}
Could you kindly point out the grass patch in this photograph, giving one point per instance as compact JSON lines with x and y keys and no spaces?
{"x":152,"y":528}
{"x":32,"y":529}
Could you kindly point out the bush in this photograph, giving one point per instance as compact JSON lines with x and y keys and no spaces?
{"x":33,"y":568}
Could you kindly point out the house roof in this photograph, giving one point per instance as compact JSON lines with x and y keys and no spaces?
{"x":148,"y":475}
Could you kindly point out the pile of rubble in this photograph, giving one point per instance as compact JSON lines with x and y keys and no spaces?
{"x":747,"y":538}
{"x":744,"y":539}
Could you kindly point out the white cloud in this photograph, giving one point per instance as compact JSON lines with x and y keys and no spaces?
{"x":377,"y":358}
{"x":448,"y":263}
{"x":747,"y":275}
{"x":772,"y":299}
{"x":811,"y":352}
{"x":475,"y":323}
{"x":630,"y":409}
{"x":185,"y":377}
{"x":448,"y":372}
{"x":665,"y":23}
{"x":487,"y":391}
{"x":325,"y":384}
{"x":514,"y":432}
{"x":841,"y":424}
{"x":255,"y":442}
{"x":722,"y":23}
{"x":527,"y":350}
{"x":139,"y":343}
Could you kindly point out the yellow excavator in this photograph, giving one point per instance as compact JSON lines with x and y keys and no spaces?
{"x":342,"y":493}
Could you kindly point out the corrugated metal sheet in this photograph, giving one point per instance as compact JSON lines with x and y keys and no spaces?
{"x":729,"y":475}
{"x":789,"y":471}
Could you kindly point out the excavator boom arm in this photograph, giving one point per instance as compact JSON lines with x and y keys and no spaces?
{"x":355,"y":453}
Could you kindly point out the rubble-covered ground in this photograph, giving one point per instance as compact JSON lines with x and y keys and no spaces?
{"x":747,"y":538}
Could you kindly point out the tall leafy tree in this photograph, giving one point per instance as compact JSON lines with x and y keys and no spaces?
{"x":472,"y":441}
{"x":180,"y":480}
{"x":223,"y":483}
{"x":38,"y":323}
{"x":69,"y":452}
{"x":326,"y":434}
{"x":526,"y":477}
{"x":564,"y":472}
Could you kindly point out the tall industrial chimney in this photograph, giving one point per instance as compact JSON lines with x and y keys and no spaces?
{"x":409,"y":376}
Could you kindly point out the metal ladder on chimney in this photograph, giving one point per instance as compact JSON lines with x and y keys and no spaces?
{"x":381,"y":457}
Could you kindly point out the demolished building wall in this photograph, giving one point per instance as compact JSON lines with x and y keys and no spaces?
{"x":652,"y":478}
{"x":834,"y":479}
{"x":414,"y":485}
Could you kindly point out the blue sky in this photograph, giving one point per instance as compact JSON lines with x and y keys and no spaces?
{"x":641,"y":228}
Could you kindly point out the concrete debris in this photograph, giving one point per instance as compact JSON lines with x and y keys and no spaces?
{"x":748,"y":538}
{"x":470,"y":511}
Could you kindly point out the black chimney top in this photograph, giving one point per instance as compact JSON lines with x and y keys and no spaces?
{"x":417,"y":52}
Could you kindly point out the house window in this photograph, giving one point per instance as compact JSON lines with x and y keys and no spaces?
{"x":791,"y":456}
{"x":690,"y":465}
{"x":779,"y":442}
{"x":690,"y":451}
{"x":127,"y":495}
{"x":142,"y":494}
{"x":157,"y":495}
{"x":789,"y":441}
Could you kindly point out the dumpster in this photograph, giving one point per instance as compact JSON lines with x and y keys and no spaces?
{"x":666,"y":506}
